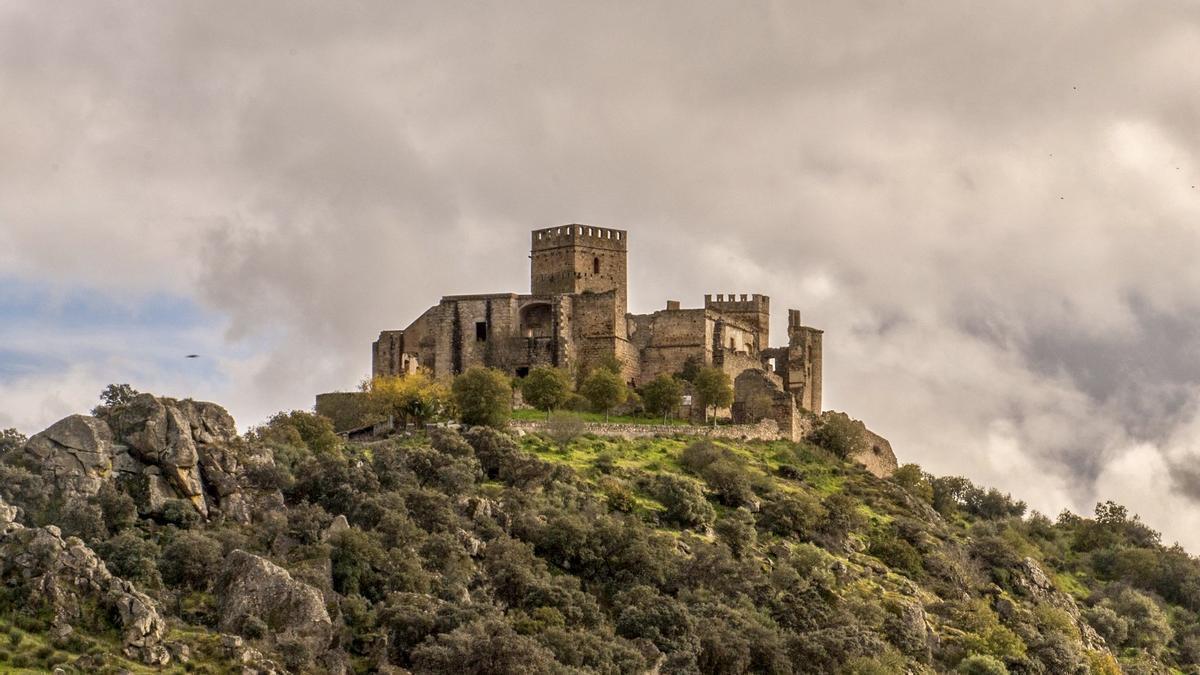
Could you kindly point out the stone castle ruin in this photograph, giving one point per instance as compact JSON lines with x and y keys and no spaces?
{"x":576,"y":315}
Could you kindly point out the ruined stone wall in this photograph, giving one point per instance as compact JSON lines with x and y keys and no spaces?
{"x":346,"y":409}
{"x":766,"y":430}
{"x":598,"y":331}
{"x":752,"y":311}
{"x":665,"y":340}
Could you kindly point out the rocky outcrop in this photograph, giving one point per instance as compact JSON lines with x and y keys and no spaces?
{"x":68,"y":578}
{"x":158,"y":433}
{"x":1032,"y":581}
{"x":877,"y":457}
{"x":158,"y":450}
{"x":75,"y":454}
{"x":251,"y":586}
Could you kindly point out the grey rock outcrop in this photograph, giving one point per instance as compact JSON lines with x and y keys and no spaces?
{"x":158,"y":450}
{"x":251,"y":586}
{"x":1033,"y":581}
{"x":68,"y":577}
{"x":75,"y":453}
{"x":158,"y":433}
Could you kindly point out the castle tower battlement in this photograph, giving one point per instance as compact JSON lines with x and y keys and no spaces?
{"x":753,"y":310}
{"x":574,"y":259}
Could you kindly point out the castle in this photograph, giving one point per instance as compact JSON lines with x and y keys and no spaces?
{"x":575,"y":315}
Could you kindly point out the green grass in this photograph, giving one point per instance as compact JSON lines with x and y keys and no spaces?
{"x":531,"y":415}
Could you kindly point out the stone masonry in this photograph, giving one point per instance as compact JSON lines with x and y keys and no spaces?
{"x":576,"y":315}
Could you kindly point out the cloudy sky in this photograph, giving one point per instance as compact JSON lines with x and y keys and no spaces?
{"x":991,"y":208}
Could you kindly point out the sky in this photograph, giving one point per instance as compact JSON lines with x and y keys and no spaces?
{"x":992,"y":209}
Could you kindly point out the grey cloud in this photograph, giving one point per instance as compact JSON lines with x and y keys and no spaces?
{"x":987,"y":207}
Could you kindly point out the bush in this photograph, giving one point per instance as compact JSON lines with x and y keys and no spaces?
{"x":180,"y":513}
{"x":546,"y":388}
{"x":737,"y":532}
{"x":840,"y":435}
{"x":83,"y":520}
{"x":483,"y":397}
{"x":981,"y":664}
{"x":662,"y":396}
{"x":190,"y":560}
{"x":132,"y":558}
{"x":684,"y":500}
{"x":604,"y":389}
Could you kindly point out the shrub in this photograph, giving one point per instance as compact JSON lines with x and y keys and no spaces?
{"x":180,"y":513}
{"x":981,"y":664}
{"x":132,"y":558}
{"x":483,"y":397}
{"x":546,"y":388}
{"x":662,"y":395}
{"x":604,"y":389}
{"x":190,"y":560}
{"x":737,"y":531}
{"x":713,"y":390}
{"x":684,"y":500}
{"x":83,"y":520}
{"x":840,"y":435}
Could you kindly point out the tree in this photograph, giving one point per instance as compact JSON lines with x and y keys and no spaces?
{"x":604,"y":389}
{"x":690,"y":369}
{"x":714,"y":390}
{"x":11,"y":439}
{"x":661,"y":395}
{"x":483,"y":397}
{"x":841,"y":435}
{"x":414,"y":397}
{"x":299,"y":428}
{"x":546,"y":388}
{"x":113,"y":396}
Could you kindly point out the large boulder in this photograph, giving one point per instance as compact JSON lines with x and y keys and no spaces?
{"x":68,"y":579}
{"x":75,"y":455}
{"x":251,"y":586}
{"x":157,"y":432}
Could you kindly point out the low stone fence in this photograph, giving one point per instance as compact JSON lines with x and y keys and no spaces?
{"x":766,"y":430}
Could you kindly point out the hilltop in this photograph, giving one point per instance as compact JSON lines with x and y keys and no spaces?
{"x":150,"y":536}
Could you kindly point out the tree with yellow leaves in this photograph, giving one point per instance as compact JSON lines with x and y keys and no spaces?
{"x":412,"y":398}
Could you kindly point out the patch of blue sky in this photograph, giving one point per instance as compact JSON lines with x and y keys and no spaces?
{"x":46,"y":327}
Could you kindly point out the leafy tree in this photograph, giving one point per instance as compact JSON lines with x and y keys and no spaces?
{"x":132,"y":558}
{"x":299,"y":428}
{"x":737,"y":531}
{"x":189,"y":559}
{"x":546,"y":388}
{"x":912,"y":478}
{"x":11,"y":439}
{"x":483,"y":647}
{"x":713,"y":390}
{"x":483,"y":397}
{"x":981,"y":664}
{"x":84,"y":520}
{"x":841,"y":435}
{"x":685,"y":502}
{"x":604,"y":389}
{"x":117,"y":508}
{"x":661,"y":396}
{"x":114,"y":395}
{"x":412,"y":398}
{"x":690,"y":369}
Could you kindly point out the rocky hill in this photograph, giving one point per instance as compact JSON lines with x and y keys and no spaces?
{"x":151,"y":537}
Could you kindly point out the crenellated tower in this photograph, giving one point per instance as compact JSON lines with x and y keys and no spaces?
{"x":575,"y":259}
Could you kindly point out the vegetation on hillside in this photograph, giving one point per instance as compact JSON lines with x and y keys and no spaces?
{"x":483,"y":552}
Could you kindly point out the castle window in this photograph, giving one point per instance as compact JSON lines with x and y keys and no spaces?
{"x":596,"y":265}
{"x":481,"y":331}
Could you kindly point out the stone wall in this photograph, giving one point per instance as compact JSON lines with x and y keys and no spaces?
{"x":766,"y":430}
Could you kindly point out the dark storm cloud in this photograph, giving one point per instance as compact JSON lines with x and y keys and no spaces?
{"x":989,"y":208}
